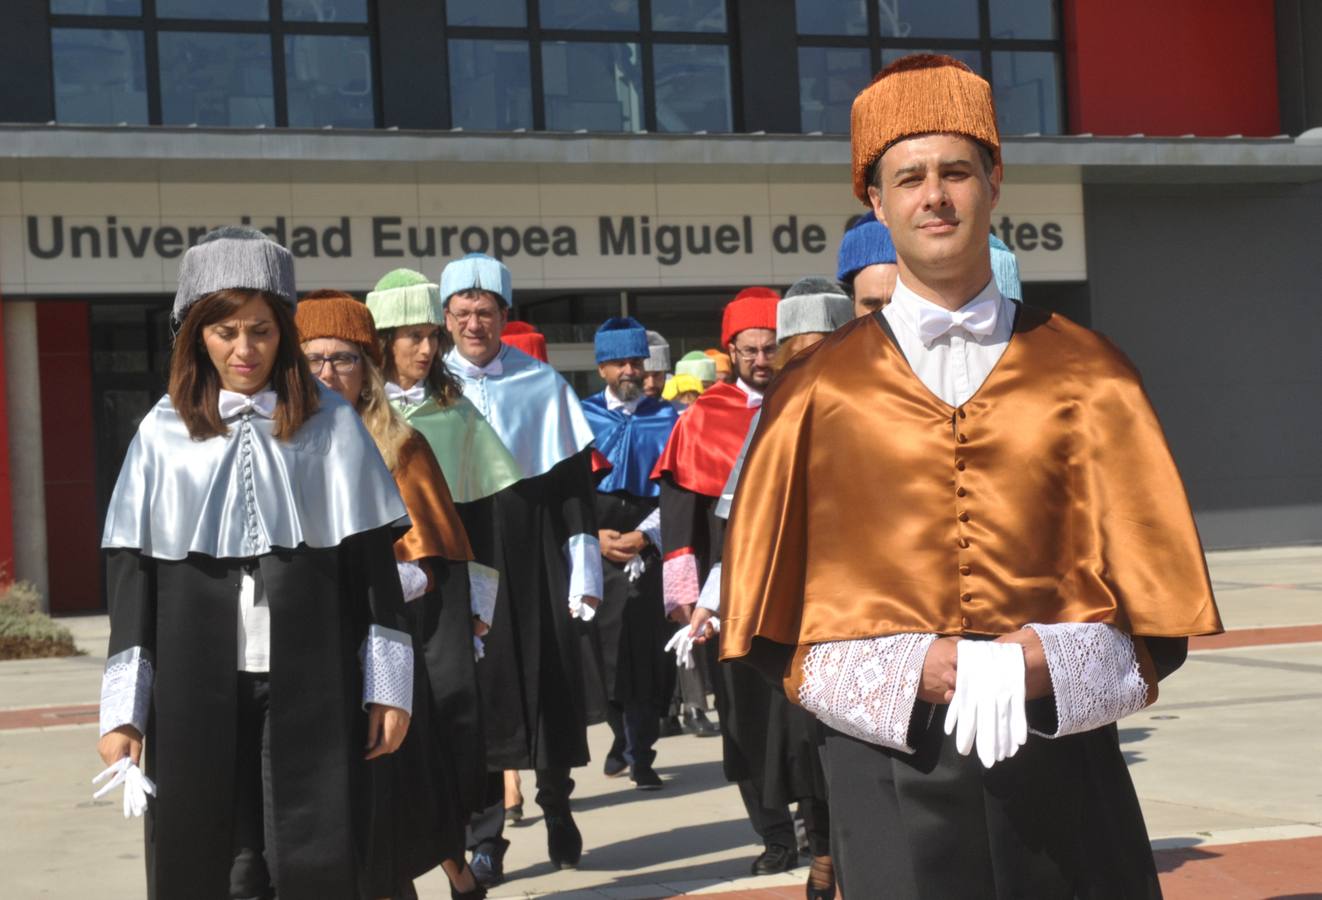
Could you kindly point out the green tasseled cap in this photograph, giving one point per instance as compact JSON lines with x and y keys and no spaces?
{"x":405,"y":297}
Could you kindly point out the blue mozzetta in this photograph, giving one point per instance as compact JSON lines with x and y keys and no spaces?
{"x":631,"y":443}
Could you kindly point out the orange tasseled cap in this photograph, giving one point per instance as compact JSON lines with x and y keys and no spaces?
{"x":334,"y":314}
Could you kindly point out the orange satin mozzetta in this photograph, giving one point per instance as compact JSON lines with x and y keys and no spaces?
{"x":436,"y":531}
{"x":869,"y":507}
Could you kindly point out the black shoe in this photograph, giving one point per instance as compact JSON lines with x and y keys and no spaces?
{"x":644,"y":778}
{"x":488,"y":864}
{"x":477,"y":893}
{"x":514,"y":814}
{"x":614,"y":767}
{"x":670,"y":727}
{"x":564,"y":843}
{"x":775,"y":859}
{"x":697,"y":723}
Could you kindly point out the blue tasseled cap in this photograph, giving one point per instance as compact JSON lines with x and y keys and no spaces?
{"x":866,"y":243}
{"x":477,"y":271}
{"x":621,"y":338}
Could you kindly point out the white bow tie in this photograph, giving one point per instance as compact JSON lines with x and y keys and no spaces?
{"x":414,"y":396}
{"x":469,"y":370}
{"x":232,"y":404}
{"x":977,"y":319}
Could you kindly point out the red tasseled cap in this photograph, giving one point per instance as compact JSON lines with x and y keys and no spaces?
{"x":753,"y":307}
{"x":524,"y":336}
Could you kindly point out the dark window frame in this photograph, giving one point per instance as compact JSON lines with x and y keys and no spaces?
{"x":645,"y":37}
{"x":275,"y":26}
{"x":985,"y":44}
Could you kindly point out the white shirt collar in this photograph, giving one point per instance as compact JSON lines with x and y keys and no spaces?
{"x":927,"y":321}
{"x":461,"y":365}
{"x":754,"y":395}
{"x":233,"y":404}
{"x":615,"y":404}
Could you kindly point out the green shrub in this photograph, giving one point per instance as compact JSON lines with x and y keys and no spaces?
{"x":25,"y":631}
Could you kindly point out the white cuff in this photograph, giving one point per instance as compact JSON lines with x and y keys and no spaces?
{"x":483,"y":586}
{"x":388,"y":668}
{"x":651,"y":527}
{"x":866,"y":688}
{"x":1094,"y":675}
{"x":583,"y":555}
{"x":710,"y":598}
{"x":412,"y":580}
{"x":126,"y":687}
{"x":679,"y":579}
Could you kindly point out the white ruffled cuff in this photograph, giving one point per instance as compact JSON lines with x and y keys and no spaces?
{"x":866,"y":688}
{"x":710,"y":598}
{"x":412,"y":580}
{"x":388,"y":668}
{"x":679,"y":579}
{"x":583,"y":555}
{"x":126,"y":686}
{"x":483,"y":586}
{"x":651,"y":527}
{"x":1095,"y":675}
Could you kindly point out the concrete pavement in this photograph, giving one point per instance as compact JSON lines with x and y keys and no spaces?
{"x":1227,"y":766}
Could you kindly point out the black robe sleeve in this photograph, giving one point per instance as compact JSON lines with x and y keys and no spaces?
{"x":388,"y":651}
{"x":126,"y":684}
{"x":574,"y":502}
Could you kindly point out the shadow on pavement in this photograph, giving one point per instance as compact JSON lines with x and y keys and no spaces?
{"x":689,"y":778}
{"x":1170,"y":860}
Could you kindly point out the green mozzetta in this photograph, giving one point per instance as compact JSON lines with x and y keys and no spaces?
{"x":475,"y":462}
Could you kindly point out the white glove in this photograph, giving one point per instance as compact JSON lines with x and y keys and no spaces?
{"x":137,"y":786}
{"x":635,"y":567}
{"x":988,"y":706}
{"x":580,"y":610}
{"x":682,"y":645}
{"x":479,"y":648}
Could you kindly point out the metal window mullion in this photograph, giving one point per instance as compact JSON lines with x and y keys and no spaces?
{"x":151,"y":51}
{"x":874,"y":36}
{"x":534,"y":38}
{"x":984,"y":36}
{"x":647,"y":65}
{"x":279,"y":84}
{"x":734,"y":57}
{"x":374,"y":48}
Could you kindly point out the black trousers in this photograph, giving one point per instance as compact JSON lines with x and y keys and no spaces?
{"x":486,"y":829}
{"x":253,"y":872}
{"x":773,"y":825}
{"x":636,"y":724}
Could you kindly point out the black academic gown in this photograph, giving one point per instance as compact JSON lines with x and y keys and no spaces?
{"x":531,"y":679}
{"x":627,"y":661}
{"x":322,"y":602}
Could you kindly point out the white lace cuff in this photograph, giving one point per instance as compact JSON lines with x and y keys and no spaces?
{"x":710,"y":598}
{"x":679,"y":579}
{"x":1094,"y":675}
{"x":866,"y":688}
{"x":388,"y":668}
{"x":583,"y":554}
{"x":412,"y":580}
{"x":651,"y":527}
{"x":483,"y":585}
{"x":126,"y":687}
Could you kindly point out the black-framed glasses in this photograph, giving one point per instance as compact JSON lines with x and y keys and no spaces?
{"x":748,"y":354}
{"x":342,"y":363}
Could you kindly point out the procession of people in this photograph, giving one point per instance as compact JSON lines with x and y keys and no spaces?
{"x":924,"y":544}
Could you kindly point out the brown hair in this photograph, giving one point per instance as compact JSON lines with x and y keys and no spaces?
{"x":195,"y":383}
{"x":790,"y":349}
{"x":441,"y":382}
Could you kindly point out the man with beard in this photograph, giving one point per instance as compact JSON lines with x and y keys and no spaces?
{"x":542,"y":537}
{"x":656,"y":367}
{"x":1028,"y":567}
{"x":631,"y":429}
{"x":693,"y":471}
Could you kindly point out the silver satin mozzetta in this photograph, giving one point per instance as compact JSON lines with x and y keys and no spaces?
{"x":244,"y":493}
{"x":532,"y":409}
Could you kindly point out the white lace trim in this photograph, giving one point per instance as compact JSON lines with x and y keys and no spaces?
{"x":866,"y":688}
{"x":388,"y":668}
{"x":710,"y":598}
{"x":679,"y":579}
{"x":583,"y":554}
{"x":412,"y":580}
{"x":483,"y":587}
{"x":126,"y":687}
{"x":1094,"y":675}
{"x":651,"y":526}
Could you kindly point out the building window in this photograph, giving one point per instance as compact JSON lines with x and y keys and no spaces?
{"x":1014,"y":44}
{"x":590,"y":65}
{"x":219,"y":63}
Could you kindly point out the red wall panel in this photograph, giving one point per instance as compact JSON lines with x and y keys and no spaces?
{"x":73,"y":534}
{"x":1204,"y":67}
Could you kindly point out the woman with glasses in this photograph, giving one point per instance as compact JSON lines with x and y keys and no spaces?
{"x":258,"y":645}
{"x":435,"y":569}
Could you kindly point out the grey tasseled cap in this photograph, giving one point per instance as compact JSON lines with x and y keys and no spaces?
{"x":658,"y":359}
{"x":234,"y":256}
{"x":812,"y":306}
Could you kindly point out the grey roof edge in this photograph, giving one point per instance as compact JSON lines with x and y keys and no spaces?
{"x":537,"y":148}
